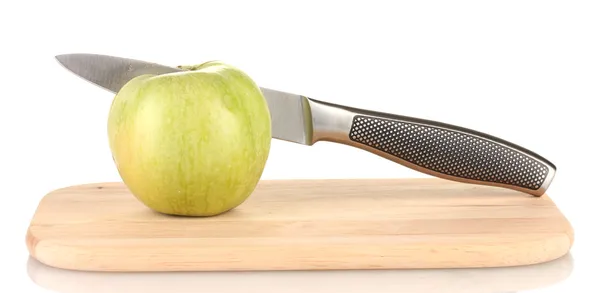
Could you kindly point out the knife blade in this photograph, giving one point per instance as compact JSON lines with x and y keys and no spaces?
{"x":431,"y":147}
{"x":112,"y":73}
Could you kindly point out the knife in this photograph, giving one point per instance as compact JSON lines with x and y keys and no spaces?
{"x":434,"y":148}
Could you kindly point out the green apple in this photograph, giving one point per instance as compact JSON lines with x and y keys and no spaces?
{"x":191,"y":143}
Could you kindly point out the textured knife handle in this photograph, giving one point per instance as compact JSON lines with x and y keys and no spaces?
{"x":453,"y":152}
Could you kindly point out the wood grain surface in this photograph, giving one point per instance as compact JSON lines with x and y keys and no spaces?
{"x":303,"y":225}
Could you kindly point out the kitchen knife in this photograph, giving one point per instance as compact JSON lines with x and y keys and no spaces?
{"x":431,"y":147}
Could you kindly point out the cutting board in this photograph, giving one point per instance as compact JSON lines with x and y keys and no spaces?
{"x":330,"y":224}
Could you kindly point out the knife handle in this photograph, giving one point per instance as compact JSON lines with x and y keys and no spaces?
{"x":434,"y":148}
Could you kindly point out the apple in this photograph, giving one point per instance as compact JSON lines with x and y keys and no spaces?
{"x":191,"y":143}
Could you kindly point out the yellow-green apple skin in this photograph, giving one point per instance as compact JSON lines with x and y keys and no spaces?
{"x":191,"y":143}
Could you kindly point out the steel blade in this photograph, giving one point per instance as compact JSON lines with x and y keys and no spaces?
{"x":290,"y":116}
{"x":290,"y":113}
{"x":109,"y":72}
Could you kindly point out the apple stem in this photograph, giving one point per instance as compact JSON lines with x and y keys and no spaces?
{"x":189,"y":67}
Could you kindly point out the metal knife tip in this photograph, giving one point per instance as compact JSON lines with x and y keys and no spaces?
{"x":61,"y":58}
{"x":66,"y":60}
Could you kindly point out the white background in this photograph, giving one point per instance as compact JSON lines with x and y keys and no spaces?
{"x":526,"y":71}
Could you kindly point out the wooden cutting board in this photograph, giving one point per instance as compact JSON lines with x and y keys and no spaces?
{"x":304,"y":225}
